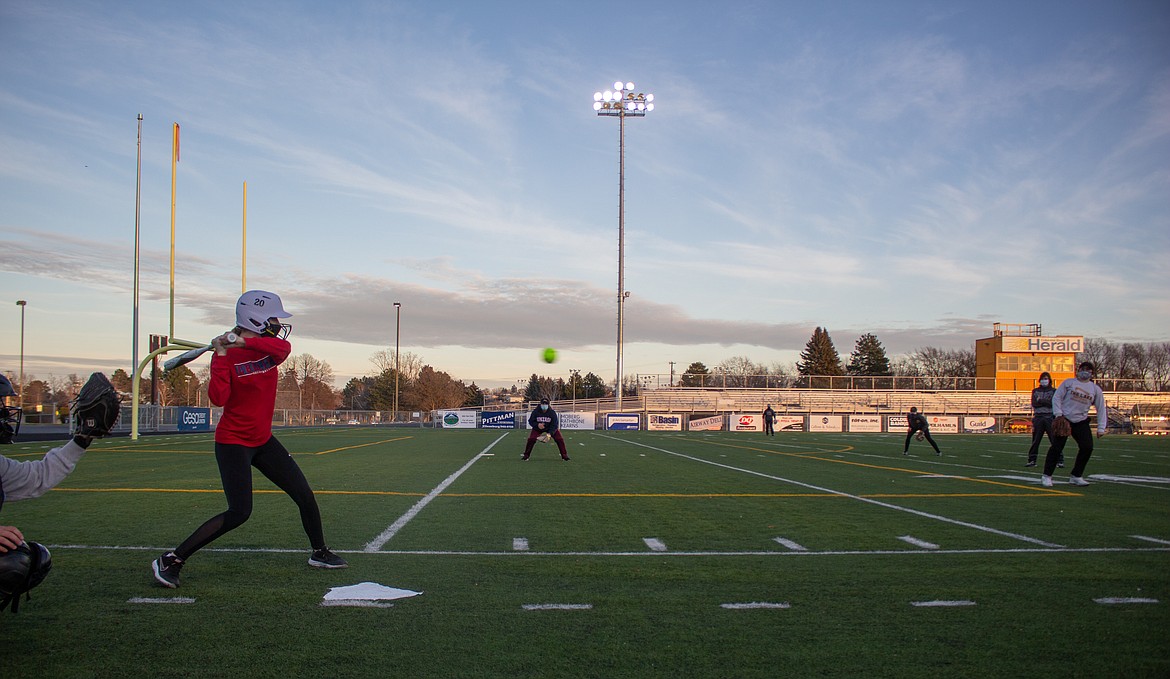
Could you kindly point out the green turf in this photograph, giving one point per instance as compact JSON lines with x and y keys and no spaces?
{"x":1031,"y":559}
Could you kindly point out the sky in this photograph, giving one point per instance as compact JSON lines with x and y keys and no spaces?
{"x":916,"y":170}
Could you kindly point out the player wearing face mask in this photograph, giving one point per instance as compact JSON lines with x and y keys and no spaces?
{"x":544,"y":420}
{"x":1042,"y":418}
{"x":1072,"y":401}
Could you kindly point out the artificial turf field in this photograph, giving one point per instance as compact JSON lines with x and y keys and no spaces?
{"x":648,"y":555}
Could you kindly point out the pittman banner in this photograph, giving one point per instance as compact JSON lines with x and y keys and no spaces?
{"x":502,"y":419}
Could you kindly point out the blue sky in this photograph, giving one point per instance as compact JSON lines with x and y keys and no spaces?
{"x":918,"y":170}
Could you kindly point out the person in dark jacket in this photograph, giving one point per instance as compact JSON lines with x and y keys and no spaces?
{"x":769,"y":421}
{"x":1042,"y":418}
{"x":915,"y":421}
{"x":544,"y":421}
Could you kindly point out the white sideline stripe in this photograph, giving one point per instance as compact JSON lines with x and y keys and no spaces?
{"x":357,"y":603}
{"x":773,"y":552}
{"x":557,"y":607}
{"x":1132,"y":479}
{"x":520,"y":544}
{"x":879,"y":503}
{"x":1125,"y":600}
{"x":655,"y":544}
{"x":377,"y":543}
{"x":160,"y":600}
{"x":790,"y":544}
{"x":942,"y":603}
{"x":916,"y":542}
{"x":1148,"y":539}
{"x":754,"y":604}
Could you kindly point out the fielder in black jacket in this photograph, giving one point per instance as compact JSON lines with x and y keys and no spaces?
{"x":915,"y":421}
{"x":544,"y":420}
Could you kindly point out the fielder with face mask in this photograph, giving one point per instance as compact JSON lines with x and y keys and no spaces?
{"x":1042,"y":418}
{"x":1072,"y":401}
{"x":544,"y":420}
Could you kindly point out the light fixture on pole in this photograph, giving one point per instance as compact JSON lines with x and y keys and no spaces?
{"x":397,"y":328}
{"x":21,"y":303}
{"x":622,"y":102}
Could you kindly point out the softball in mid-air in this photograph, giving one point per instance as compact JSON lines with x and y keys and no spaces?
{"x":549,"y":355}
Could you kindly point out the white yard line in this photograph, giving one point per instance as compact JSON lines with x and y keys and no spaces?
{"x":1148,"y":539}
{"x":1125,"y":600}
{"x":790,"y":544}
{"x":557,"y":607}
{"x":755,"y":604}
{"x":377,"y":543}
{"x":911,"y":540}
{"x":887,"y":505}
{"x":160,"y":600}
{"x":655,"y":544}
{"x":942,"y":603}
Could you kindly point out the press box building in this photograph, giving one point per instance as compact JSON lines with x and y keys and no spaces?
{"x":1016,"y":353}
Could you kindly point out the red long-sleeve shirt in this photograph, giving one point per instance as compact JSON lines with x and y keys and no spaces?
{"x":244,"y":382}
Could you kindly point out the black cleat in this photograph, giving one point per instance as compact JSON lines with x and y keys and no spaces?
{"x":323,"y":558}
{"x":166,"y":570}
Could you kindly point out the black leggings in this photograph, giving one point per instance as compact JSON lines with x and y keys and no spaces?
{"x":1082,"y":433}
{"x":235,"y":471}
{"x":929,"y":439}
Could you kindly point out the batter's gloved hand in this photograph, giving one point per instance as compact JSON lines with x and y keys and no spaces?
{"x":96,"y":408}
{"x":1061,"y":427}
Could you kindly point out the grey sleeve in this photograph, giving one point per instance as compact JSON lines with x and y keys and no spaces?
{"x":33,"y":478}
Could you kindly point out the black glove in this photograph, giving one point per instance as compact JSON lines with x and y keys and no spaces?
{"x":96,"y":408}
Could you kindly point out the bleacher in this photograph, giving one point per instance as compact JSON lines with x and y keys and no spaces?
{"x":807,"y":401}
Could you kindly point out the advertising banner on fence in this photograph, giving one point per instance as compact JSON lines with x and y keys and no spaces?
{"x":896,"y":422}
{"x":457,"y":419}
{"x":1017,"y":425}
{"x":745,"y":422}
{"x":626,"y":421}
{"x":979,"y":425}
{"x":866,"y":423}
{"x":503,"y":419}
{"x":194,"y":419}
{"x":824,"y":423}
{"x":789,"y":423}
{"x":578,"y":421}
{"x":713,"y":423}
{"x":664,"y":422}
{"x":943,"y":424}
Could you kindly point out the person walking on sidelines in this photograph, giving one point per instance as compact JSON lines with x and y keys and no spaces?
{"x":769,"y":421}
{"x":1042,"y":418}
{"x":1070,"y":406}
{"x":916,"y":422}
{"x":244,"y":374}
{"x":544,"y":421}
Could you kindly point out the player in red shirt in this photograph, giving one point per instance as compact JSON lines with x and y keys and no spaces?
{"x":244,"y":374}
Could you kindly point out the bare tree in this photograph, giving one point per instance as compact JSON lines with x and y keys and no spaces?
{"x":410,"y":364}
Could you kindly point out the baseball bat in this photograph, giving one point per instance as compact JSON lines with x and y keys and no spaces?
{"x":188,"y":356}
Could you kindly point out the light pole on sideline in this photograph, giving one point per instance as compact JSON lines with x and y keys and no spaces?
{"x":622,"y":102}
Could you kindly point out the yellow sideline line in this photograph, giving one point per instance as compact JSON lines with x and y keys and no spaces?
{"x":363,"y":445}
{"x":812,"y":456}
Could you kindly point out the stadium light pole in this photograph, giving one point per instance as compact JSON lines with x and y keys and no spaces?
{"x":21,"y":303}
{"x":622,"y":102}
{"x":397,"y":328}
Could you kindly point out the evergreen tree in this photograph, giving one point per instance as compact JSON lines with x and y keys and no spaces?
{"x":869,"y":357}
{"x":695,"y":375}
{"x":820,"y":357}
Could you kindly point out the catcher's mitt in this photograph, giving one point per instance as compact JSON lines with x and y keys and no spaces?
{"x":920,"y":436}
{"x":544,"y":438}
{"x":96,"y":408}
{"x":1061,"y":427}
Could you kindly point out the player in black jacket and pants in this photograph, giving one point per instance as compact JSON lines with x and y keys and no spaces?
{"x":917,"y":422}
{"x":1042,"y":418}
{"x":544,"y":420}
